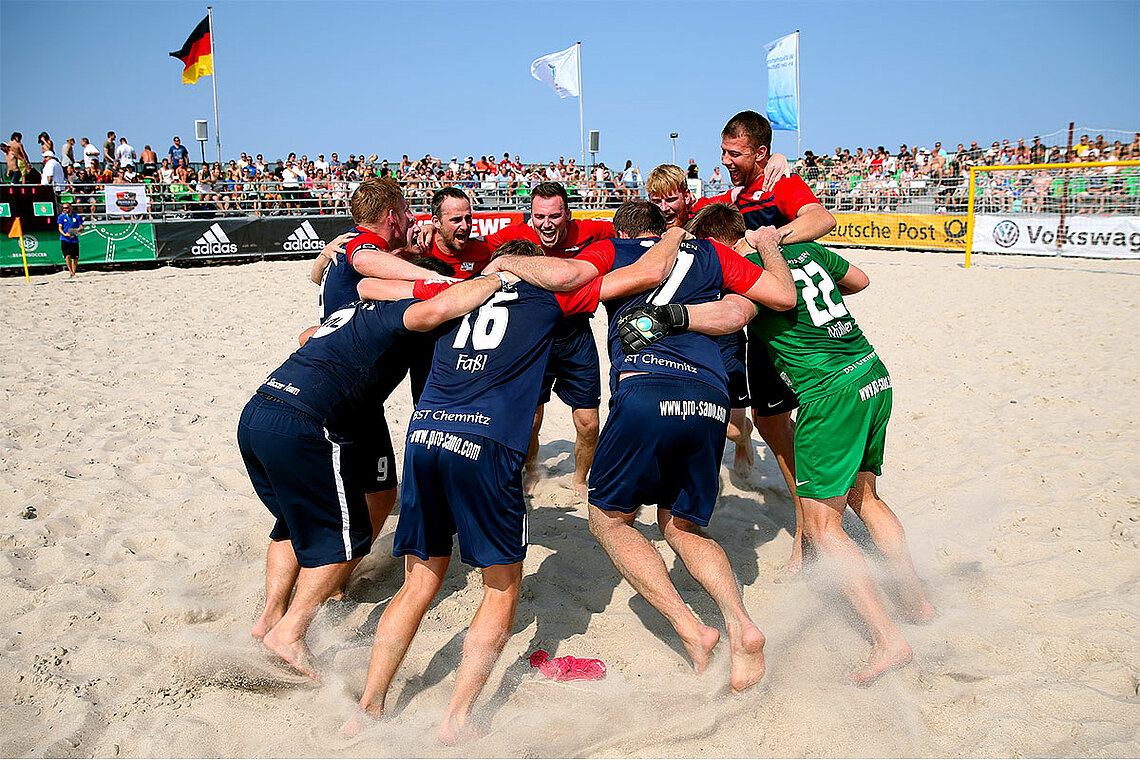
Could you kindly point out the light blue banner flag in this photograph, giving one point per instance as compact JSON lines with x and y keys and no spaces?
{"x":783,"y":82}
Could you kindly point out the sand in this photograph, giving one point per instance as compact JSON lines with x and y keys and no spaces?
{"x":1012,"y":461}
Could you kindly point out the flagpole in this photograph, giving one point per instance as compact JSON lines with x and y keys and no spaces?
{"x":24,"y":254}
{"x":581,"y":122}
{"x":799,"y":115}
{"x":214,"y":80}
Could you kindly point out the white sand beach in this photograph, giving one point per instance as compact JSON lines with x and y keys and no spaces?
{"x":1012,"y":461}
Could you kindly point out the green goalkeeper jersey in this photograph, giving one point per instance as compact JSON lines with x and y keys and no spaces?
{"x":817,"y":346}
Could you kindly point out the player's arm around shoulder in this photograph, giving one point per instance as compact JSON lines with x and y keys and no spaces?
{"x":546,"y":272}
{"x":328,"y":256}
{"x":649,"y":270}
{"x":775,"y":289}
{"x":812,"y":222}
{"x":455,"y":301}
{"x":724,"y":317}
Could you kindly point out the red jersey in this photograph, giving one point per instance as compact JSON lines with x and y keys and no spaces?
{"x":582,"y":233}
{"x":775,"y":208}
{"x":470,"y":260}
{"x":365,"y":241}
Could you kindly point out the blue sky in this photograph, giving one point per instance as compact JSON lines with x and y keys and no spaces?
{"x":453,"y":78}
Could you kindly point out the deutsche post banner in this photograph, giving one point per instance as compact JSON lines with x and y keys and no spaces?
{"x":932,"y":232}
{"x":126,"y":200}
{"x":1101,"y":237}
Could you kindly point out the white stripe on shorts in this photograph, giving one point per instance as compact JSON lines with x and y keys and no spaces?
{"x":344,"y":524}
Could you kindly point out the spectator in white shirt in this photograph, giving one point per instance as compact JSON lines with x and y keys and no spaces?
{"x":90,"y":153}
{"x":125,"y":154}
{"x":53,"y":173}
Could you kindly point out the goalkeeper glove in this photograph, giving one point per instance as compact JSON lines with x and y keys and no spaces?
{"x":645,"y":325}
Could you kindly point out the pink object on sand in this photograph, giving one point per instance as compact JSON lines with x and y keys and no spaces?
{"x":568,"y":668}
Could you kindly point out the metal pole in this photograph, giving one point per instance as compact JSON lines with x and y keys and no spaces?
{"x":214,"y":80}
{"x":581,"y":121}
{"x":799,"y":116}
{"x":1064,"y":192}
{"x":674,"y":150}
{"x":970,"y":218}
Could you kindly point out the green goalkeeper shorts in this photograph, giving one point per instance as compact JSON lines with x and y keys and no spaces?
{"x":841,"y":435}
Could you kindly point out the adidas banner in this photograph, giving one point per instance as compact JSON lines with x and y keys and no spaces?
{"x":227,"y":238}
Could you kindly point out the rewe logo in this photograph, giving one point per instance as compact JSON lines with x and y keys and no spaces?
{"x":304,"y":238}
{"x":213,"y":241}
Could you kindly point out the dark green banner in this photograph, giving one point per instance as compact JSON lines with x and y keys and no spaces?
{"x":98,"y":244}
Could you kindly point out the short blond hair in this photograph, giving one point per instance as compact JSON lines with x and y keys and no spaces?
{"x":374,"y":199}
{"x":665,"y":179}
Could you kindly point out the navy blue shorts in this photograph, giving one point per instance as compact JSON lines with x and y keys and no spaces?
{"x":770,"y":394}
{"x":296,"y":471}
{"x":573,"y":371}
{"x":732,"y":350}
{"x":366,"y":450}
{"x":461,"y":484}
{"x":662,"y":445}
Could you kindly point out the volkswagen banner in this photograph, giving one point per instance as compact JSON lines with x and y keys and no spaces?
{"x":1102,"y":237}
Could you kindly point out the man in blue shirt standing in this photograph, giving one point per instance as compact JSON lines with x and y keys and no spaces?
{"x":70,"y":225}
{"x":177,"y":151}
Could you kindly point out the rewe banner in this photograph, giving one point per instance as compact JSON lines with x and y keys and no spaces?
{"x":1102,"y":237}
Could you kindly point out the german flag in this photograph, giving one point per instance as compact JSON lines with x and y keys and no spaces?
{"x":196,"y":54}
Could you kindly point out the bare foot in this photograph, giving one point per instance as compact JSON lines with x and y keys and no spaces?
{"x":265,"y":624}
{"x":921,"y":612}
{"x":747,"y":659}
{"x":295,"y":653}
{"x":530,"y":479}
{"x":455,"y":730}
{"x":745,"y":456}
{"x":700,"y":648}
{"x":582,"y":490}
{"x":883,"y":659}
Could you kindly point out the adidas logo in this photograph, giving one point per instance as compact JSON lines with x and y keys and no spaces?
{"x":304,"y":238}
{"x":213,"y":241}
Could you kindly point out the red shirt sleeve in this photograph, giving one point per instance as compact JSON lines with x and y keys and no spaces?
{"x":740,"y":274}
{"x":424,"y":289}
{"x":592,"y":230}
{"x":365,"y":241}
{"x":583,"y":300}
{"x":791,"y":194}
{"x":600,"y":254}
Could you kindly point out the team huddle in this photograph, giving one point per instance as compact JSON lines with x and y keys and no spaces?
{"x":715,"y":306}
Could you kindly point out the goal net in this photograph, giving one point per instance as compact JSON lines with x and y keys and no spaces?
{"x":1089,"y":209}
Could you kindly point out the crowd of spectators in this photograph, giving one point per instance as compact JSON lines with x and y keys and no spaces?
{"x":866,"y":180}
{"x":878,"y":180}
{"x":252,"y":185}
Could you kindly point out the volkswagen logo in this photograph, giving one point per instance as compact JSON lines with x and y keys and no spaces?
{"x":1006,"y":233}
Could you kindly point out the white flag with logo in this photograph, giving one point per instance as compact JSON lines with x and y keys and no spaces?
{"x":559,"y":70}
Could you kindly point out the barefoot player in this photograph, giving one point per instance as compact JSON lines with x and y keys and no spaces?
{"x":288,"y":437}
{"x":665,"y":434}
{"x":573,"y":372}
{"x":845,"y":404}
